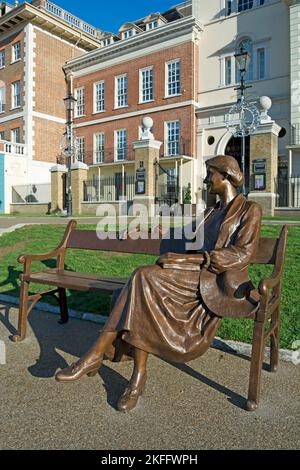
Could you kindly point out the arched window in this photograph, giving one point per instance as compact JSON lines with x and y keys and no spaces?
{"x":245,"y":5}
{"x":247,"y":44}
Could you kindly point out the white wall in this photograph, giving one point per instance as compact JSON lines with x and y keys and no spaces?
{"x":19,"y":171}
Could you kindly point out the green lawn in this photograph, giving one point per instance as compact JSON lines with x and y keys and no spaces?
{"x":40,"y":239}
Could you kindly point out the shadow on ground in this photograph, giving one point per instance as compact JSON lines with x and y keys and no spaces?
{"x":75,"y":338}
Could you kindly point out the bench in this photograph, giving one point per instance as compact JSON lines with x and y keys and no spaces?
{"x":266,"y":320}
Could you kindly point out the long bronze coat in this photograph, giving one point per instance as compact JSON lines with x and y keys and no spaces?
{"x":169,"y":313}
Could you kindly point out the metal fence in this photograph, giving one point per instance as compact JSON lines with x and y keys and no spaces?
{"x":110,"y":189}
{"x":174,"y":148}
{"x":288,"y":190}
{"x":31,"y":194}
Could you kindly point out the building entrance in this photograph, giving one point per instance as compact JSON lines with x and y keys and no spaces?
{"x":234,"y":148}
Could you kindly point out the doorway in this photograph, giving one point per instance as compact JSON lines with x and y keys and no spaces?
{"x":234,"y":149}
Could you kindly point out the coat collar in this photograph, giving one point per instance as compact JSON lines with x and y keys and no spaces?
{"x":228,"y":226}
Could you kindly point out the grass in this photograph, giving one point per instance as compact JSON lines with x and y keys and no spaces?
{"x":41,"y":238}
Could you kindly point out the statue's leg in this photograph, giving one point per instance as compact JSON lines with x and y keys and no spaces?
{"x":91,"y":362}
{"x":137,"y":383}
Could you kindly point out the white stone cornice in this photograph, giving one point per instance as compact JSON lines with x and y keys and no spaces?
{"x":169,"y":31}
{"x":58,"y":169}
{"x":147,"y":144}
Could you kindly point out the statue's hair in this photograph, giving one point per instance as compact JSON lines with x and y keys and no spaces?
{"x":229,"y":167}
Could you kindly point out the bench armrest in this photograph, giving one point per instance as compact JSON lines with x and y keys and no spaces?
{"x":58,"y":252}
{"x":28,"y":259}
{"x":23,"y":259}
{"x":270,"y":282}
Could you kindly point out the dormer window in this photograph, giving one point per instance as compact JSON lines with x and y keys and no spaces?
{"x":128,"y":34}
{"x":106,"y":42}
{"x":152,"y":25}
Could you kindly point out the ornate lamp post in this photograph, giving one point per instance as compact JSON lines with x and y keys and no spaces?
{"x":243,"y":118}
{"x":70,"y":101}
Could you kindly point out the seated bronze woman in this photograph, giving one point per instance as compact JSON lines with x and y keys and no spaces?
{"x":173,"y":313}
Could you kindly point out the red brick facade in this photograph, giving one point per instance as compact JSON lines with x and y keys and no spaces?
{"x":185,"y":114}
{"x":11,"y":73}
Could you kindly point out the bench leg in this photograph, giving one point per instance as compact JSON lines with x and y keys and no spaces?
{"x":275,"y":341}
{"x":63,"y":303}
{"x":258,"y":347}
{"x":23,"y":313}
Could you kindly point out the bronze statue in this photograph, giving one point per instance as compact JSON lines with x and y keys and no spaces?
{"x":175,"y":313}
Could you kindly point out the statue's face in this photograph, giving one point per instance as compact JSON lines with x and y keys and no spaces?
{"x":214,"y":181}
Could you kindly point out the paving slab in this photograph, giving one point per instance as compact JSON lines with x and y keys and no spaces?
{"x":198,"y":406}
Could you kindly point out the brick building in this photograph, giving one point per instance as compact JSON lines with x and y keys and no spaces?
{"x":150,"y":68}
{"x":36,"y":40}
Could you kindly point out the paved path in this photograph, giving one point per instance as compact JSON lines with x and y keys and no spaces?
{"x":194,"y":406}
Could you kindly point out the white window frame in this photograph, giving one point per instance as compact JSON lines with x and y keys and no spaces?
{"x":106,"y":42}
{"x":152,"y":25}
{"x":129,"y":33}
{"x":228,"y":79}
{"x":2,"y":134}
{"x":168,"y":142}
{"x":102,"y":100}
{"x":118,"y":95}
{"x":235,"y":9}
{"x":257,"y":46}
{"x":80,"y":144}
{"x":13,"y":133}
{"x":2,"y":99}
{"x":79,"y":94}
{"x":167,"y":83}
{"x":99,"y":153}
{"x":118,"y":146}
{"x":257,"y":64}
{"x":141,"y":86}
{"x":16,"y":47}
{"x":2,"y":58}
{"x":16,"y":98}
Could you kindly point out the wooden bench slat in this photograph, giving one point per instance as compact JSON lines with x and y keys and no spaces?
{"x":92,"y":284}
{"x":116,"y":280}
{"x":88,"y":240}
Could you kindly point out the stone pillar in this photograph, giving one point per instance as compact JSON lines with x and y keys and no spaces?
{"x":57,"y":188}
{"x":79,"y":175}
{"x":264,"y":146}
{"x":146,"y":153}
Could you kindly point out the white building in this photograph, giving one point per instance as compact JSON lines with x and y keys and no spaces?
{"x":271,"y":31}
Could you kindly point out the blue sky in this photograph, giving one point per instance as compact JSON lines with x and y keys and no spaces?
{"x":110,"y":15}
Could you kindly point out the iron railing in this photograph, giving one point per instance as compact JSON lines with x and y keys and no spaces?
{"x":181,"y":147}
{"x":109,"y":189}
{"x":175,"y":148}
{"x":288,"y":190}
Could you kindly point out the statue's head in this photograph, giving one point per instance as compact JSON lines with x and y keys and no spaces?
{"x":221,"y":171}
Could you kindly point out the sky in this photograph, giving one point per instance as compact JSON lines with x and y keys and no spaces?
{"x":110,"y":15}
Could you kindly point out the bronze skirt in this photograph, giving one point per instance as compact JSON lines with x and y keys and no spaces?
{"x":160,"y":311}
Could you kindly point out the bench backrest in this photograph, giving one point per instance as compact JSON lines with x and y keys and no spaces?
{"x":270,"y":251}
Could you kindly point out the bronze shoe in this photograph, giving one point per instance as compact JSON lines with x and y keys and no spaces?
{"x":131,"y":396}
{"x":77,"y":370}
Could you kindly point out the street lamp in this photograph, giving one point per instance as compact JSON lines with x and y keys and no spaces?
{"x":70,"y":102}
{"x":243,"y":118}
